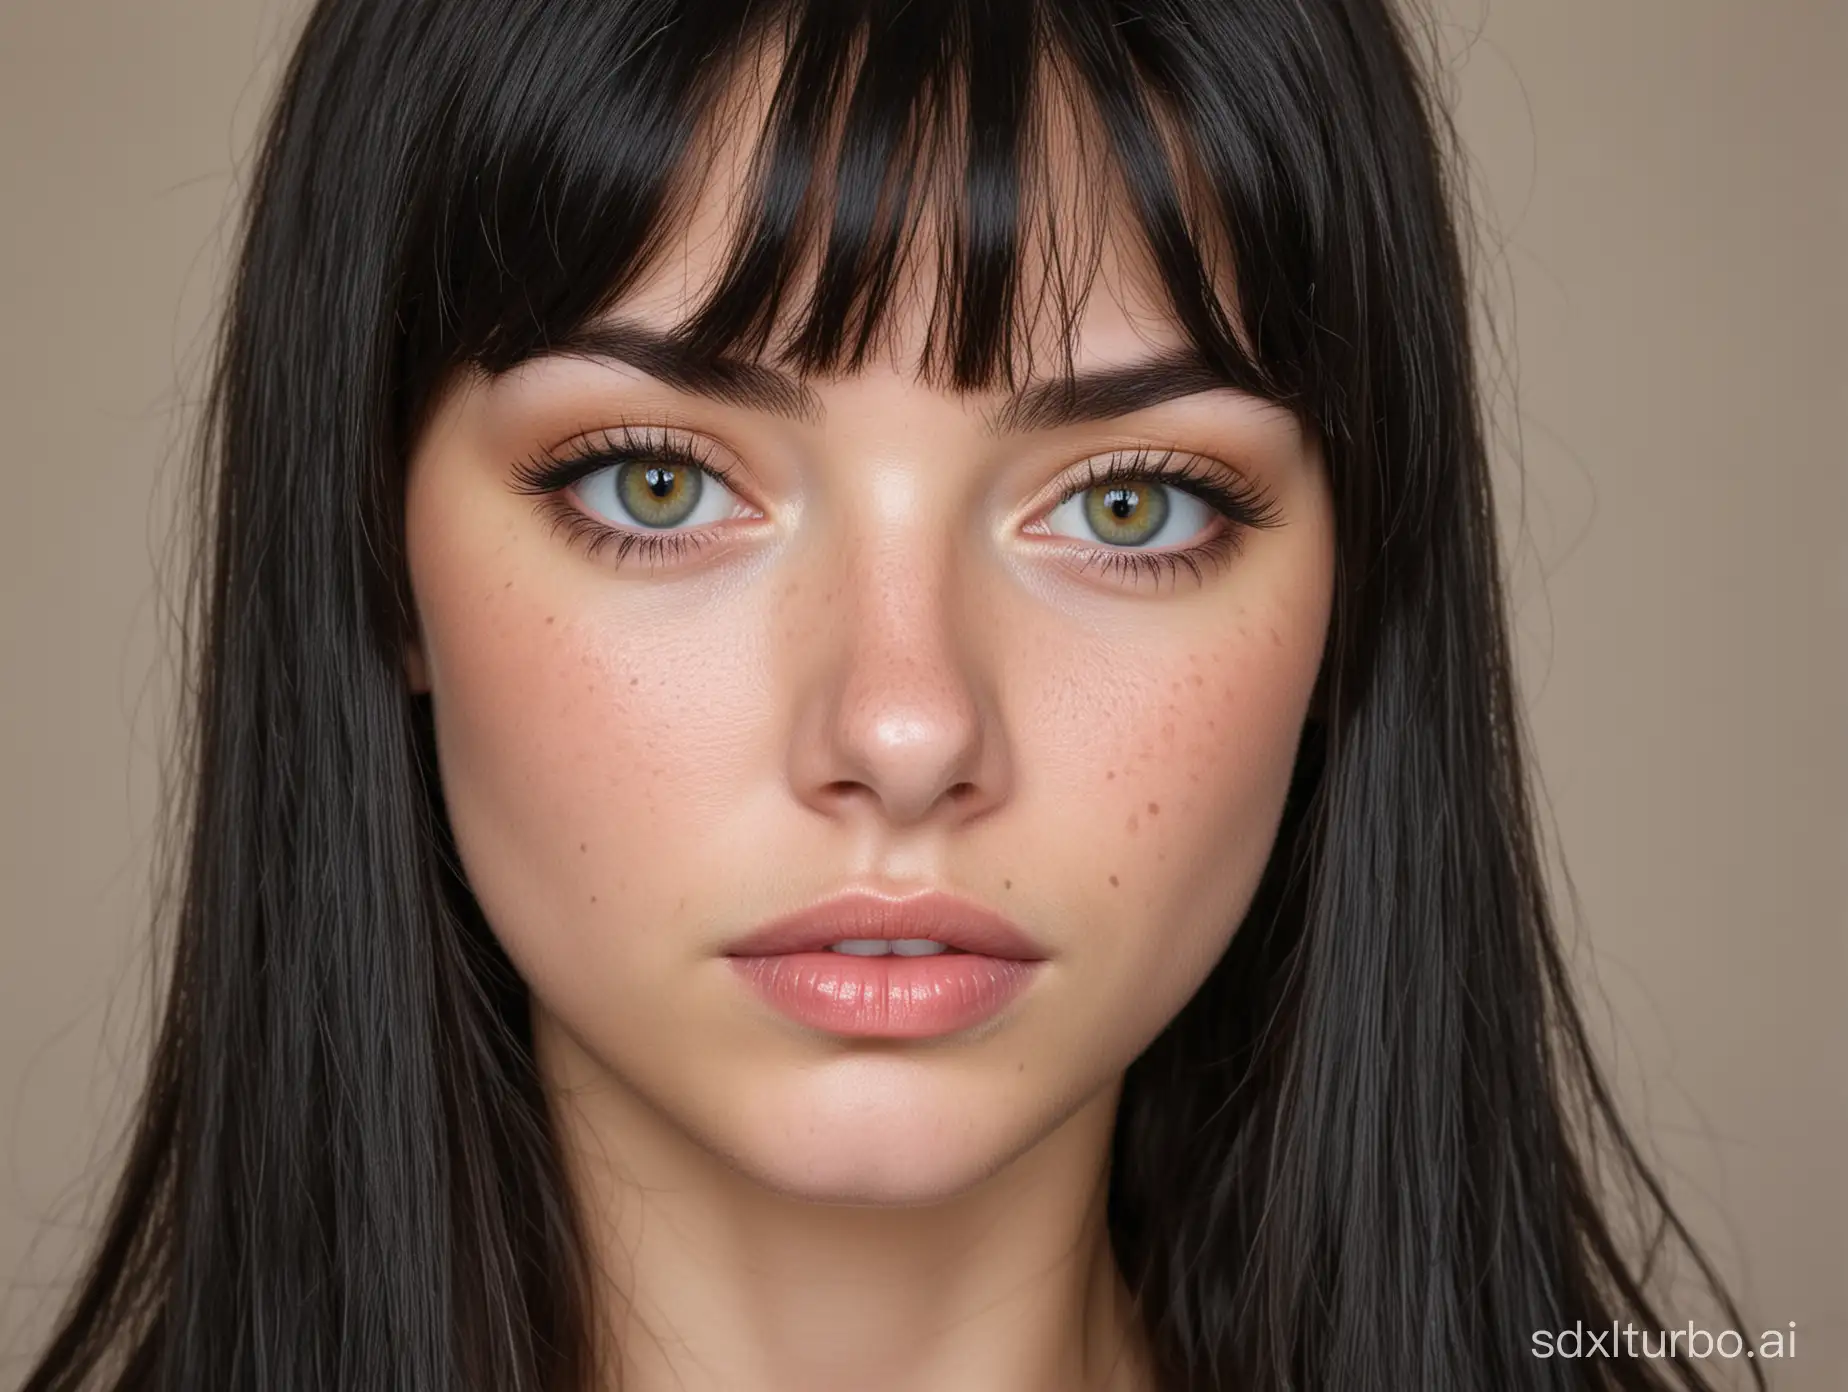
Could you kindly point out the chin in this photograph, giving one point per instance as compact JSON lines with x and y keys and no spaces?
{"x":871,"y":1145}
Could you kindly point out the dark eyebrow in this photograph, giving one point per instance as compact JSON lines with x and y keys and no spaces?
{"x":666,"y":356}
{"x":1107,"y":391}
{"x":1098,"y":394}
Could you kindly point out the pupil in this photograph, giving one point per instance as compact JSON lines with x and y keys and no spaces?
{"x":660,"y":481}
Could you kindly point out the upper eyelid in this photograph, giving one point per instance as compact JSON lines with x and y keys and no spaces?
{"x":1093,"y":470}
{"x":556,"y":468}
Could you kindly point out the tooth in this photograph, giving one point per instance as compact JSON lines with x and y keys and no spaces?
{"x":917,"y":947}
{"x":863,"y":947}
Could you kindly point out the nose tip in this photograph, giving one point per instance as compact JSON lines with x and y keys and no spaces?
{"x":902,"y":718}
{"x":910,"y":757}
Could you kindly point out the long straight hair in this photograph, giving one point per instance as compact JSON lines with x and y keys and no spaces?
{"x":1365,"y":1155}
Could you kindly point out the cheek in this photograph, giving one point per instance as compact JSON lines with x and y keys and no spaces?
{"x":1192,"y":778}
{"x":586,"y":744}
{"x":1171,"y":776}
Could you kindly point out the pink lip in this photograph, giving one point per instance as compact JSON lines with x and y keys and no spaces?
{"x":941,"y":917}
{"x":890,"y":997}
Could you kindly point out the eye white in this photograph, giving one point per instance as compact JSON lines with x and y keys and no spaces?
{"x":599,"y":494}
{"x":1187,"y":517}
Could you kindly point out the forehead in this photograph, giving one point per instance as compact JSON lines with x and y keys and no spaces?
{"x":1086,"y":290}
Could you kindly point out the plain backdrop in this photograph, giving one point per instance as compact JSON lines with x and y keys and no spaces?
{"x":1662,"y":191}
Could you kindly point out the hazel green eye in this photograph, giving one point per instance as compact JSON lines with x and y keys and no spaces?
{"x":1133,"y":513}
{"x":1126,"y":514}
{"x":655,"y":494}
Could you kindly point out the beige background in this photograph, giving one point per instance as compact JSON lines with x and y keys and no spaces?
{"x":1665,"y":197}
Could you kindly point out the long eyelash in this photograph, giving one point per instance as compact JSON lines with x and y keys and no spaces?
{"x":1243,"y":504}
{"x":548,"y":474}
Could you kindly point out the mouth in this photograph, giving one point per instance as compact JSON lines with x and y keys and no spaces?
{"x":894,"y":947}
{"x":860,"y":923}
{"x":888,"y":996}
{"x":862,"y":965}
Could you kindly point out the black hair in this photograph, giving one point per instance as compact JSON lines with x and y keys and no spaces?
{"x":1362,"y":1156}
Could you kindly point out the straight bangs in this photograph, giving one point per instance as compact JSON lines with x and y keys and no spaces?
{"x":976,"y":148}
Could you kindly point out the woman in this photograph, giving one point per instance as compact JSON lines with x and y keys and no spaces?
{"x":854,"y":730}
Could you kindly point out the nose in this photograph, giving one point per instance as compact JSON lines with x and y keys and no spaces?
{"x":898,"y":714}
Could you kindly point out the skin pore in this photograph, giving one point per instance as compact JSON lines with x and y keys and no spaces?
{"x":893,"y":660}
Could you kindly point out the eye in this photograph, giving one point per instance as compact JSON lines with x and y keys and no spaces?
{"x":637,"y":490}
{"x":656,"y":494}
{"x":1131,"y":512}
{"x":1156,"y":514}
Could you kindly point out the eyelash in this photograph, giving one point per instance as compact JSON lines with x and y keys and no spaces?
{"x":548,"y":475}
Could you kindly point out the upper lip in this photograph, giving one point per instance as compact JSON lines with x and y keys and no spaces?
{"x":940,"y":917}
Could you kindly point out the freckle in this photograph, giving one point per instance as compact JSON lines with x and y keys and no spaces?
{"x":634,"y":680}
{"x":593,"y":898}
{"x":1113,"y":880}
{"x":1167,"y":729}
{"x":1007,"y":884}
{"x":1133,"y":823}
{"x":1154,"y":808}
{"x":1110,"y":774}
{"x":583,"y":845}
{"x":508,"y":585}
{"x":1276,"y":641}
{"x":551,"y":618}
{"x":1194,"y":680}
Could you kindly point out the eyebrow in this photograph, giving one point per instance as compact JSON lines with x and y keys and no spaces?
{"x":1097,"y":394}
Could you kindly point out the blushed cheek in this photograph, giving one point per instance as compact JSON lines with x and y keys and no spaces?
{"x":534,"y":721}
{"x":588,"y":749}
{"x":514,"y":701}
{"x":1195,"y":802}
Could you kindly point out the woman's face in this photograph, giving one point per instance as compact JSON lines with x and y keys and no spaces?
{"x":891,"y":654}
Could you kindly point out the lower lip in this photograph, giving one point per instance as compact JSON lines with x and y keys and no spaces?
{"x":886,"y":997}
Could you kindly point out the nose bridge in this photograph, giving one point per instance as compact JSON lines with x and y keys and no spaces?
{"x":899,"y":708}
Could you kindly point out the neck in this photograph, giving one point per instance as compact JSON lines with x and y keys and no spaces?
{"x":710,"y":1281}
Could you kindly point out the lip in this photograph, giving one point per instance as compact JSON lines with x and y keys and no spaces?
{"x":787,"y":963}
{"x":941,"y":917}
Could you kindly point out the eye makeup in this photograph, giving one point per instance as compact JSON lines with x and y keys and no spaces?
{"x":662,"y":478}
